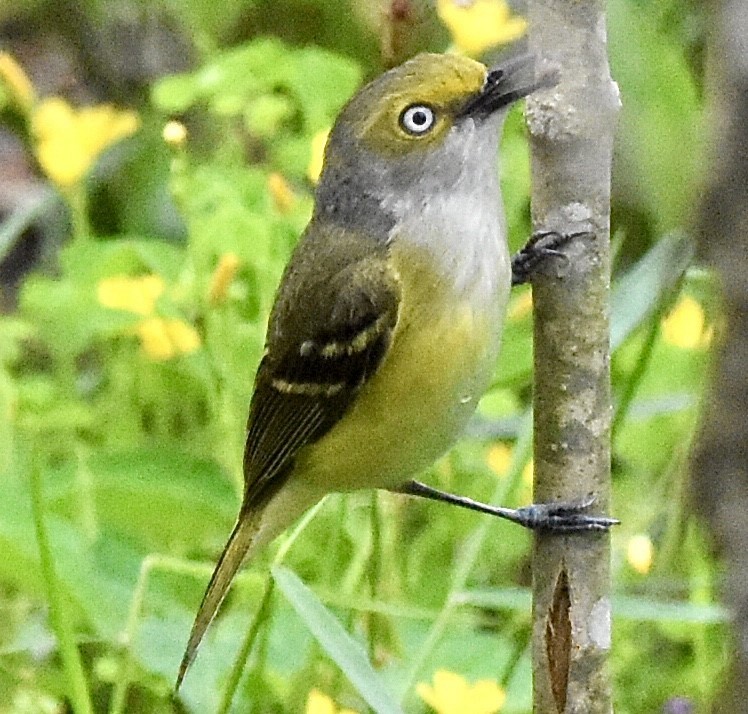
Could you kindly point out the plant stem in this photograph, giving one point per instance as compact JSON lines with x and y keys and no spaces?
{"x":58,"y":611}
{"x":241,"y":659}
{"x":78,"y":202}
{"x":262,"y":613}
{"x":468,"y":558}
{"x":150,"y":564}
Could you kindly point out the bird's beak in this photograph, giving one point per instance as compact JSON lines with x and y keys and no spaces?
{"x":504,"y":85}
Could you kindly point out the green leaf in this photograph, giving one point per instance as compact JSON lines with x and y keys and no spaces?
{"x":348,"y":654}
{"x":265,"y":67}
{"x":638,"y":293}
{"x":96,"y":574}
{"x":65,"y":313}
{"x":89,"y":262}
{"x":158,"y":497}
{"x":660,"y":137}
{"x":335,"y":80}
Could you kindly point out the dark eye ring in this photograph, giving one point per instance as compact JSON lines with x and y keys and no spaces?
{"x":417,"y":119}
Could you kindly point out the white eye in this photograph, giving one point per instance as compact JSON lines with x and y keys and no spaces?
{"x":417,"y":119}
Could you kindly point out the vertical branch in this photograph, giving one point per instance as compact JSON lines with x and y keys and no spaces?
{"x":720,"y":467}
{"x":571,"y":130}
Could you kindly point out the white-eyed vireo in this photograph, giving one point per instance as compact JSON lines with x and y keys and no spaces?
{"x":386,"y":326}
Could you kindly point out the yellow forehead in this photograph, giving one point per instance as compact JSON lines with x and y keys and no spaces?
{"x":435,"y":79}
{"x":444,"y":82}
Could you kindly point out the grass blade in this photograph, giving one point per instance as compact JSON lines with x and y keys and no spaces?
{"x":348,"y":654}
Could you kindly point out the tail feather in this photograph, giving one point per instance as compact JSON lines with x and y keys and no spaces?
{"x":239,"y":543}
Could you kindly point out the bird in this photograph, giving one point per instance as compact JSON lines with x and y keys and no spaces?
{"x":386,"y":325}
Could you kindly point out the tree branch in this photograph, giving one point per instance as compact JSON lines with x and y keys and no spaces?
{"x":720,"y":468}
{"x":571,"y":131}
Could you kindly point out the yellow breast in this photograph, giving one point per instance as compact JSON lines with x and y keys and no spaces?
{"x":418,"y":403}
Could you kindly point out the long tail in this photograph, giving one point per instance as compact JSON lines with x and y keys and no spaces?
{"x":237,"y":547}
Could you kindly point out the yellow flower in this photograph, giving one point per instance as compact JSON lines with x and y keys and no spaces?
{"x":281,"y":193}
{"x":319,"y":703}
{"x":478,"y":25}
{"x":16,"y":82}
{"x":499,"y":458}
{"x":685,"y":325}
{"x":222,"y":277}
{"x":640,"y":553}
{"x":451,"y":694}
{"x":163,"y":338}
{"x":174,"y":133}
{"x":138,"y":295}
{"x":314,"y":169}
{"x":68,"y":140}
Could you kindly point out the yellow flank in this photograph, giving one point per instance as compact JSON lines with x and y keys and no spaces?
{"x":412,"y":410}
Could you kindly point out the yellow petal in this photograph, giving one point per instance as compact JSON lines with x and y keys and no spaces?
{"x":478,"y":25}
{"x":281,"y":193}
{"x":449,"y":694}
{"x":183,"y":336}
{"x":174,"y":133}
{"x":138,"y":295}
{"x":101,"y":126}
{"x":499,"y":458}
{"x":640,"y":553}
{"x":154,"y":339}
{"x":319,"y":703}
{"x":314,"y":169}
{"x":68,"y":141}
{"x":427,"y":694}
{"x":222,"y":276}
{"x":16,"y":82}
{"x":57,"y":143}
{"x":486,"y":697}
{"x":684,"y":327}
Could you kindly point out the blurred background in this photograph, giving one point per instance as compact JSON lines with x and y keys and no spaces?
{"x":157,"y":164}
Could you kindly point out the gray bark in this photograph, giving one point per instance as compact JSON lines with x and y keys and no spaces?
{"x":571,"y":130}
{"x":720,"y":466}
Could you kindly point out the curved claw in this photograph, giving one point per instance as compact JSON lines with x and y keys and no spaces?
{"x":541,"y":246}
{"x":564,"y":517}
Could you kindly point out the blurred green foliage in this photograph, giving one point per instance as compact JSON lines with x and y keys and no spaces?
{"x":140,"y":458}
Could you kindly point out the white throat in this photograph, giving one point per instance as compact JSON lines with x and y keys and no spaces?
{"x":460,"y":222}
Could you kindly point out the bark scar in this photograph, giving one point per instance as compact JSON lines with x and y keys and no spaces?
{"x":558,"y":640}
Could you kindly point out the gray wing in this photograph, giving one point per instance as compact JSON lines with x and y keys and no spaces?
{"x":325,"y":341}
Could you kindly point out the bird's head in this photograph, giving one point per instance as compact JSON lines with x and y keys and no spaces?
{"x":420,"y":128}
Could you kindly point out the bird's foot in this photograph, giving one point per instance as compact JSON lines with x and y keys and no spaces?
{"x":562,"y":517}
{"x":541,"y":246}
